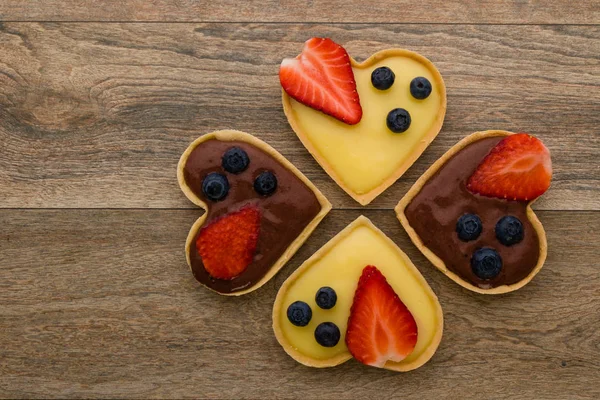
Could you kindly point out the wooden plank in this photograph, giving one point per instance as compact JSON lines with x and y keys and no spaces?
{"x":97,"y":115}
{"x":388,"y":11}
{"x":100,"y":303}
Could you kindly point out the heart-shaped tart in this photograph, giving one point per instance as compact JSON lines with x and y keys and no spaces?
{"x":259,"y":210}
{"x":365,"y":123}
{"x":470,"y":213}
{"x":358,"y":296}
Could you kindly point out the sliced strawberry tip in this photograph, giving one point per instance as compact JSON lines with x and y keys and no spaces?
{"x":517,"y":168}
{"x":380,"y":326}
{"x":321,"y":77}
{"x":227,"y":244}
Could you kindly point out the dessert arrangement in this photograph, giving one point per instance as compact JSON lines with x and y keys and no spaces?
{"x":259,"y":210}
{"x":365,"y":123}
{"x":470,"y":213}
{"x":358,"y":296}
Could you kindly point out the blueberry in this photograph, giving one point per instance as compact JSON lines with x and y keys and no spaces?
{"x":486,"y":263}
{"x":468,"y":227}
{"x":235,"y":160}
{"x":266,"y":183}
{"x":382,"y":78}
{"x":420,"y":88}
{"x":398,"y":120}
{"x":215,"y":186}
{"x":327,"y":334}
{"x":299,"y":313}
{"x":326,"y":297}
{"x":509,"y":230}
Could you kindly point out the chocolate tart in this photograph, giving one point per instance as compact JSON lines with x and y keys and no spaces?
{"x":429,"y":211}
{"x":287,"y":217}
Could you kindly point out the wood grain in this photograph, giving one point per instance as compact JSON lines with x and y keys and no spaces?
{"x":100,"y":303}
{"x":382,"y":11}
{"x":96,"y":115}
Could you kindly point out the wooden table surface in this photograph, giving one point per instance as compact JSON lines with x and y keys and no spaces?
{"x":98,"y":99}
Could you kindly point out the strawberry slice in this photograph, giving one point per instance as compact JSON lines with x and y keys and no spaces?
{"x":517,"y":168}
{"x":227,"y":244}
{"x":380,"y":327}
{"x":321,"y":77}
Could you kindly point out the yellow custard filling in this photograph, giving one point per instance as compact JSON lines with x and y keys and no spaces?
{"x":364,"y":155}
{"x":340,"y":267}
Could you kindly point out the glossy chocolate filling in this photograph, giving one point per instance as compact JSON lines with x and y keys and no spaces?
{"x":433,"y":213}
{"x":284,"y":214}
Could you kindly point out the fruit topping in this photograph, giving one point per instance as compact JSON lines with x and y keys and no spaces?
{"x":380,"y":327}
{"x":321,"y":77}
{"x":517,"y":168}
{"x":509,"y":230}
{"x":382,"y":78}
{"x":420,"y":88}
{"x":235,"y":160}
{"x":486,"y":263}
{"x":299,"y":313}
{"x":326,"y":297}
{"x":468,"y":227}
{"x":215,"y":186}
{"x":327,"y":334}
{"x":398,"y":120}
{"x":227,"y":244}
{"x":265,"y":183}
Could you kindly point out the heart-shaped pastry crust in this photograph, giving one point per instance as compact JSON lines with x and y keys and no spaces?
{"x":259,"y":210}
{"x":359,"y":295}
{"x":366,"y":158}
{"x":490,"y":242}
